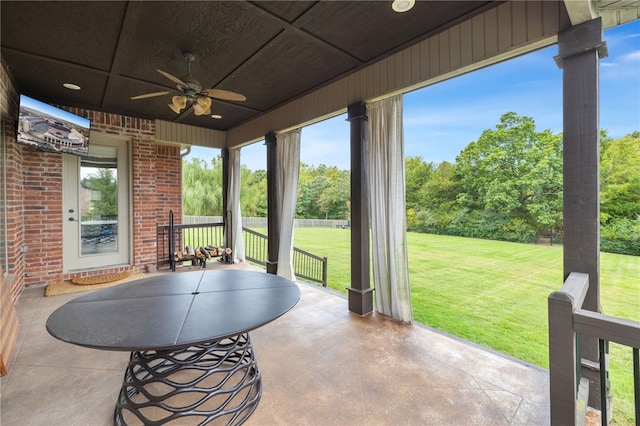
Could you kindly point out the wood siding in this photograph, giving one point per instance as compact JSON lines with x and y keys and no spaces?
{"x":183,"y":135}
{"x":511,"y":29}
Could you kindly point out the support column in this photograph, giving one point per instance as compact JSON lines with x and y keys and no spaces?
{"x":225,"y":195}
{"x":360,"y":292}
{"x":579,"y":50}
{"x":273,"y":215}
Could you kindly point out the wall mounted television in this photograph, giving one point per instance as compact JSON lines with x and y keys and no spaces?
{"x":49,"y":128}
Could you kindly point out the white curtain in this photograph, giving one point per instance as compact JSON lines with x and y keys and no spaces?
{"x":288,"y":158}
{"x":387,"y":209}
{"x":233,"y":203}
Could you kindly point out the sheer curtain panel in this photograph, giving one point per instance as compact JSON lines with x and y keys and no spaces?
{"x":233,"y":201}
{"x":288,"y":153}
{"x":387,"y":209}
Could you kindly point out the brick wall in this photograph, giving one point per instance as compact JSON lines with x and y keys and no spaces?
{"x":34,"y":194}
{"x":12,"y":158}
{"x":169,"y":184}
{"x":42,"y":204}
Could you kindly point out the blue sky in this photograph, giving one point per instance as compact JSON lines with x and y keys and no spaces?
{"x":440,"y":120}
{"x":54,"y":112}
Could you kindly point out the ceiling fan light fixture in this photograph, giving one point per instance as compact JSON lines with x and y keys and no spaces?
{"x":190,"y":92}
{"x":197,"y":109}
{"x":174,"y":108}
{"x":178,"y":103}
{"x":402,"y":5}
{"x":204,"y":102}
{"x":202,"y":106}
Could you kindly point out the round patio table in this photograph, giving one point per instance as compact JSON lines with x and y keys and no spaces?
{"x":191,"y":355}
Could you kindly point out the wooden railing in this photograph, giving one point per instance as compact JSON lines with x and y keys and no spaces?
{"x":567,"y":322}
{"x":255,"y":246}
{"x":307,"y":266}
{"x":310,"y":267}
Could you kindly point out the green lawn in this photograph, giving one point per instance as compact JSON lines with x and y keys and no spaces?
{"x":495,"y":293}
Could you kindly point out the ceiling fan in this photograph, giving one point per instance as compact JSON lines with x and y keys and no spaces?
{"x":190,"y":91}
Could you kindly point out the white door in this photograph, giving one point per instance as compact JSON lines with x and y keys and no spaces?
{"x":95,"y":194}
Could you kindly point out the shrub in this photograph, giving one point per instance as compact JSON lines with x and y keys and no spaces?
{"x":621,"y":235}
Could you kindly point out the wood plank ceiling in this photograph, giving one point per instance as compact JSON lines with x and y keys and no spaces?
{"x":270,"y":51}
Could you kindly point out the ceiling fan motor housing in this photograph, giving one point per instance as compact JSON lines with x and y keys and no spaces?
{"x":191,"y":92}
{"x":192,"y":84}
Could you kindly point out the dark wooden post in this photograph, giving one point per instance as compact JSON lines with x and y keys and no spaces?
{"x":273,"y":216}
{"x":562,"y":350}
{"x":579,"y":50}
{"x":225,"y":194}
{"x":360,"y":292}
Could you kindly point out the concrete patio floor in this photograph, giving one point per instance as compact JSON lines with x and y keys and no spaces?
{"x":320,"y":364}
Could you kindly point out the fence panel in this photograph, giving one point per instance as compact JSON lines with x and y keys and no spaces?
{"x":261,"y":222}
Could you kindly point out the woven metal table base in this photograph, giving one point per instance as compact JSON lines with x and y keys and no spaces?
{"x":213,"y":383}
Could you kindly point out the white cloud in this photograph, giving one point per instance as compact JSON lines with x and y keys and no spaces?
{"x":632,"y":56}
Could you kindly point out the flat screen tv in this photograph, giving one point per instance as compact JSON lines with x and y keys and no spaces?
{"x":46,"y":127}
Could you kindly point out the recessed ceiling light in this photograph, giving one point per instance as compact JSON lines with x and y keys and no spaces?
{"x":71,"y":86}
{"x":402,"y":5}
{"x":216,"y":116}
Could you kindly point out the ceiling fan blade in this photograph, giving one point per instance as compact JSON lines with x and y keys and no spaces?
{"x":151,"y":95}
{"x":173,"y":78}
{"x":225,"y":95}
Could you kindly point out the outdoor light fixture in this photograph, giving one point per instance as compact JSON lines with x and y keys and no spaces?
{"x":402,"y":5}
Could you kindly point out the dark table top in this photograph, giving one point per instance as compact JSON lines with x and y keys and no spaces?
{"x":174,"y":310}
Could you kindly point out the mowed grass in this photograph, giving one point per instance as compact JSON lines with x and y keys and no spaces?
{"x":495,"y":293}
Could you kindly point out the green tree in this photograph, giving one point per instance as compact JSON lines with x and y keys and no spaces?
{"x":202,"y":187}
{"x":253,"y":192}
{"x":105,"y":183}
{"x":334,"y":201}
{"x":308,"y":196}
{"x":323,"y":192}
{"x":443,"y":187}
{"x":514,"y":171}
{"x":436,"y":199}
{"x":417,"y":175}
{"x":620,"y":178}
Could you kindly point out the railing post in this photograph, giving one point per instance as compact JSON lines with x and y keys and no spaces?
{"x":562,"y":358}
{"x":172,"y":243}
{"x":563,"y":362}
{"x":636,"y":382}
{"x":324,"y":271}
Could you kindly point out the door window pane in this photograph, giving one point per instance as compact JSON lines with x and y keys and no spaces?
{"x":99,"y":201}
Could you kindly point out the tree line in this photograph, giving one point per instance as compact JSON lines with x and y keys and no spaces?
{"x":506,"y":185}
